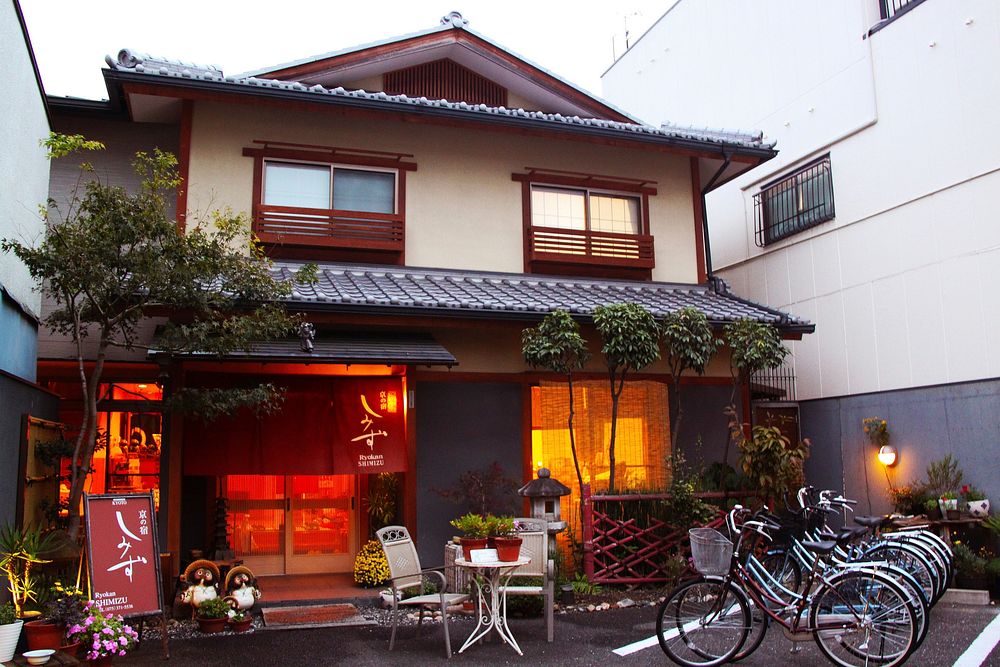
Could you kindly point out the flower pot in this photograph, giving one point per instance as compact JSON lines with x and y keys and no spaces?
{"x":953,"y":515}
{"x":934,"y":514}
{"x":43,"y":634}
{"x":471,"y":543}
{"x":979,"y":509}
{"x":103,"y":661}
{"x":72,"y":650}
{"x":566,"y":594}
{"x":241,"y":626}
{"x":212,"y":625}
{"x":508,"y":548}
{"x":9,"y":634}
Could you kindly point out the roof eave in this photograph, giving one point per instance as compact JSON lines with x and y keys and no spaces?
{"x":116,"y":79}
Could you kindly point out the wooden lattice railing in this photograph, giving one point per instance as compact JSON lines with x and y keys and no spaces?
{"x":553,"y":244}
{"x":331,"y":228}
{"x":618,"y":548}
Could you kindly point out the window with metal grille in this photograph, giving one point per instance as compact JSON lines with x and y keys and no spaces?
{"x":794,"y":203}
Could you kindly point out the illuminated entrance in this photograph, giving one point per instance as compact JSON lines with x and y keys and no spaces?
{"x":293,"y":524}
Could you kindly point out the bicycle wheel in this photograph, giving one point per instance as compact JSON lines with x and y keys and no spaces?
{"x":759,"y":620}
{"x":703,"y":622}
{"x":781,"y":564}
{"x":911,"y":560}
{"x":863,"y":618}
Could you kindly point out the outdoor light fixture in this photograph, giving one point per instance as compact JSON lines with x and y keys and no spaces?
{"x":887,"y":455}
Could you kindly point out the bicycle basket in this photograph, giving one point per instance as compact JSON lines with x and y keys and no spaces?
{"x":711,"y":551}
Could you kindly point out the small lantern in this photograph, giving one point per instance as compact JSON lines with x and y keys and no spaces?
{"x":544,"y":493}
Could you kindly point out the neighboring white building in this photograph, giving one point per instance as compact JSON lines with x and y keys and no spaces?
{"x":877,"y":220}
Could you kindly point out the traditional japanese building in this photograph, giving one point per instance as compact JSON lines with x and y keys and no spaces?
{"x":451,"y":193}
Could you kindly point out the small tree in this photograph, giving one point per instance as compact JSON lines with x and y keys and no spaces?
{"x":111,"y":258}
{"x":630,"y":340}
{"x":556,"y":345}
{"x":754,"y":346}
{"x":689,"y":345}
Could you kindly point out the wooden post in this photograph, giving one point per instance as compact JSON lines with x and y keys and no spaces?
{"x":588,"y":533}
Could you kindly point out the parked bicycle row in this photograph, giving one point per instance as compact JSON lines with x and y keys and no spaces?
{"x":863,"y":594}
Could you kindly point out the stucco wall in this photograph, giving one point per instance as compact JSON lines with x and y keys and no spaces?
{"x":924,"y":425}
{"x":460,"y":427}
{"x":898,"y":282}
{"x":463,"y":210}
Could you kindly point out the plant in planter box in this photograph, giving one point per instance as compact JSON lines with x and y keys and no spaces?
{"x":474,"y":529}
{"x":212,"y":615}
{"x":908,"y":499}
{"x":933,"y":508}
{"x":240,"y":620}
{"x":103,"y":635}
{"x":20,"y":551}
{"x":504,"y":534}
{"x":976,"y":501}
{"x":10,"y":631}
{"x":66,"y":607}
{"x":969,"y":566}
{"x":949,"y":504}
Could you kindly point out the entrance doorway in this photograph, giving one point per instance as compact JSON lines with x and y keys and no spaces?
{"x":293,"y":524}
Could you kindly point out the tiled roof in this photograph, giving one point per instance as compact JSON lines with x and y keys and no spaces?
{"x":346,"y":349}
{"x":138,"y":63}
{"x":439,"y":292}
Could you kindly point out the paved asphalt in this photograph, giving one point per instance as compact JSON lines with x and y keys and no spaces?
{"x":581,"y":639}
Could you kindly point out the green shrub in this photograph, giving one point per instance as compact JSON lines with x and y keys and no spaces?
{"x":214,"y":608}
{"x":7,"y":614}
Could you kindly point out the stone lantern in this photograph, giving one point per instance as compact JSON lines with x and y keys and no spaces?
{"x":544,"y":493}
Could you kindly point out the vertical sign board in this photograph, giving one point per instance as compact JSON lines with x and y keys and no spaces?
{"x":124,"y":554}
{"x":369,"y":426}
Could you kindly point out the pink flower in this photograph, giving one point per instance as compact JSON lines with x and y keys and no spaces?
{"x":108,"y":631}
{"x":89,"y":621}
{"x":123,"y":641}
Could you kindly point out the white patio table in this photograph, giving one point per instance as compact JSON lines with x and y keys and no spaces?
{"x":491,"y":577}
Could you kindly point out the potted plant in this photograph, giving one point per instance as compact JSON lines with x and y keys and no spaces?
{"x":370,"y":566}
{"x":505,"y":539}
{"x":976,"y":502}
{"x":949,"y":505}
{"x":213,"y":615}
{"x":10,"y":631}
{"x":239,"y":620}
{"x":67,"y":608}
{"x":103,"y":635}
{"x":933,"y":508}
{"x":473,"y":527}
{"x":970,"y":568}
{"x":20,"y":551}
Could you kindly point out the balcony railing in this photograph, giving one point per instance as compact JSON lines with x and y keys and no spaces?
{"x":287,"y":225}
{"x":573,"y":246}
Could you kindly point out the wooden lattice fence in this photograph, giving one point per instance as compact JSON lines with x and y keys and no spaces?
{"x":622,"y":544}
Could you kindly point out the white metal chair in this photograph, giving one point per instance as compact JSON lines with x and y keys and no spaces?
{"x":404,"y":567}
{"x":535,"y":544}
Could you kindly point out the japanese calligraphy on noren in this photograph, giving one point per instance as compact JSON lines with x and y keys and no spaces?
{"x":370,"y":426}
{"x":123,"y":554}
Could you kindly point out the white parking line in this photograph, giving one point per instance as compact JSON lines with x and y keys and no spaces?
{"x":980,"y":649}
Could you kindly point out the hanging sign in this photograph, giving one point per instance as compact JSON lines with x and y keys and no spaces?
{"x":369,"y":426}
{"x":123,"y":553}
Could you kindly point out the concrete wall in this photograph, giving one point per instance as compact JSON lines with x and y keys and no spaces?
{"x":897,"y":282}
{"x":463,"y":210}
{"x":19,"y":399}
{"x":18,"y":339}
{"x":460,"y":427}
{"x":924,"y":424}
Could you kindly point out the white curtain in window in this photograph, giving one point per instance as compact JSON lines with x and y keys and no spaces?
{"x":619,"y":215}
{"x":552,"y":207}
{"x":300,"y":185}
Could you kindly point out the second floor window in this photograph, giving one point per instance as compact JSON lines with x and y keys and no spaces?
{"x":566,"y":208}
{"x":794,"y":202}
{"x":329,"y":187}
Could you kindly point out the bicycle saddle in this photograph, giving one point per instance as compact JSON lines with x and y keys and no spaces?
{"x":822,"y":548}
{"x":871,"y":521}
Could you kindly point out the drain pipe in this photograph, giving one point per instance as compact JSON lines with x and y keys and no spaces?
{"x":728,"y":155}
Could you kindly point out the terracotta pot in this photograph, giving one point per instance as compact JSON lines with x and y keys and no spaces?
{"x":43,"y":634}
{"x":954,"y":515}
{"x":934,"y":514}
{"x":72,"y":649}
{"x":470,"y":543}
{"x":508,"y":548}
{"x":212,"y":625}
{"x":241,"y":626}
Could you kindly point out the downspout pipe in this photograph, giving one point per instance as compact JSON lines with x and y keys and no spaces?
{"x":728,"y":157}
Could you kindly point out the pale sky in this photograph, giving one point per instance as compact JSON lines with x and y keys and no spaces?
{"x":577,"y":41}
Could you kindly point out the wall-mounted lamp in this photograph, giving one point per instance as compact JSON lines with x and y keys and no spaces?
{"x":887,"y":455}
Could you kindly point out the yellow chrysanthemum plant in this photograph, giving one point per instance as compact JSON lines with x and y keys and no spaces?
{"x":370,"y":566}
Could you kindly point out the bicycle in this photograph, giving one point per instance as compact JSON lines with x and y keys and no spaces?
{"x":856,"y":615}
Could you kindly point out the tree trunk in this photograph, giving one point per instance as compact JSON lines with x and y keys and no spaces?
{"x":86,"y":443}
{"x":615,"y":395}
{"x":572,"y":439}
{"x":676,"y":424}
